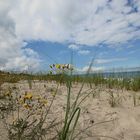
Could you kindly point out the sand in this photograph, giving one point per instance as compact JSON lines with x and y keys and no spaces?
{"x":121,"y":122}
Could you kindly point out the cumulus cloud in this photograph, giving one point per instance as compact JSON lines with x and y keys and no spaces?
{"x":13,"y":54}
{"x":89,"y":23}
{"x":81,"y":22}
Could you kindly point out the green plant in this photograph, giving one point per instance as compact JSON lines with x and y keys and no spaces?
{"x":25,"y":127}
{"x":114,"y":98}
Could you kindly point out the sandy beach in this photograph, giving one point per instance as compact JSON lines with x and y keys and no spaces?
{"x":98,"y":120}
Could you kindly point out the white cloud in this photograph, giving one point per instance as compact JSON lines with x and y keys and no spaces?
{"x":13,"y":54}
{"x":74,"y":47}
{"x":21,"y":63}
{"x":84,"y":52}
{"x":88,"y":23}
{"x":103,"y":61}
{"x":78,"y":49}
{"x":92,"y":69}
{"x":74,"y":21}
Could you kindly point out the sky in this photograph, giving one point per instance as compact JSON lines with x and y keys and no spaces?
{"x":37,"y":33}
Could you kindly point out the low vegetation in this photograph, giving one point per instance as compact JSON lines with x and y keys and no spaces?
{"x":25,"y":115}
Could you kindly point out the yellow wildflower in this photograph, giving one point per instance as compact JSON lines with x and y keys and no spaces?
{"x":26,"y":106}
{"x":58,"y":66}
{"x":21,"y":101}
{"x":44,"y":101}
{"x":28,"y":96}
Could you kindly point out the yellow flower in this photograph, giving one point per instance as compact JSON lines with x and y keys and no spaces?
{"x":58,"y":66}
{"x":26,"y":106}
{"x":28,"y":96}
{"x":21,"y":101}
{"x":44,"y":101}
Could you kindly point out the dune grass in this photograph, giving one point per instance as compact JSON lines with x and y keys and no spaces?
{"x":27,"y":128}
{"x":127,"y":83}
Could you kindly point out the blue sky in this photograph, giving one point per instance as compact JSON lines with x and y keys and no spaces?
{"x":35,"y":34}
{"x":125,"y":56}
